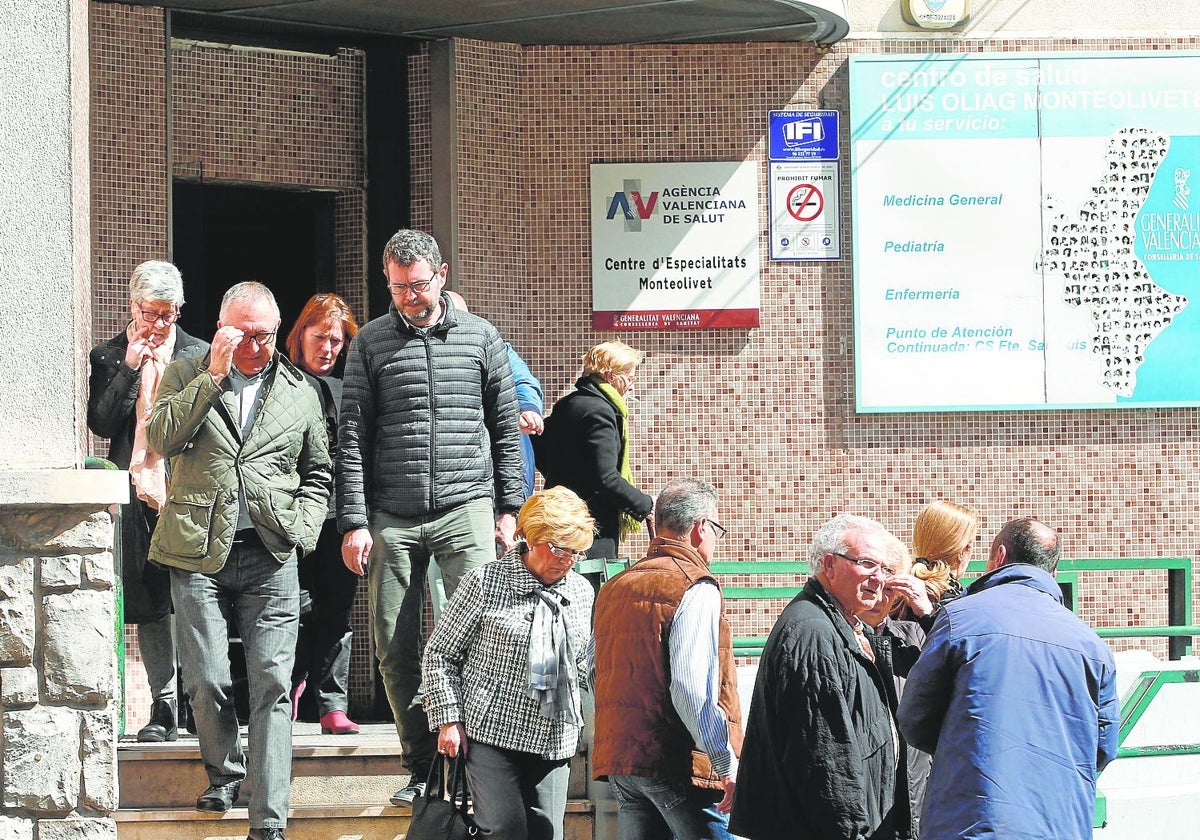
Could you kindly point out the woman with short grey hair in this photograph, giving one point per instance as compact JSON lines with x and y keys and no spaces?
{"x":125,"y":372}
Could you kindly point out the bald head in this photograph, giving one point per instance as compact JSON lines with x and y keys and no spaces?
{"x":1025,"y":540}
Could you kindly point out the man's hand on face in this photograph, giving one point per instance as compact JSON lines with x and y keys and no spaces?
{"x":224,"y":343}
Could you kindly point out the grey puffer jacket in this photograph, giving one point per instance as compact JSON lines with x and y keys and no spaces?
{"x":428,"y":421}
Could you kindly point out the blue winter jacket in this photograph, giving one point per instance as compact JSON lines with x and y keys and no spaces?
{"x":529,"y":398}
{"x":1016,"y":699}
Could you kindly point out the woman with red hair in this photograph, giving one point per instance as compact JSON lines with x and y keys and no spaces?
{"x":317,"y":345}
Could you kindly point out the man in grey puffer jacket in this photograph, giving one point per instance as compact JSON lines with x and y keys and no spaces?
{"x":429,"y":464}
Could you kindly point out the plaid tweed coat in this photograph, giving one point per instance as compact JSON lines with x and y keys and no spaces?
{"x":476,"y":664}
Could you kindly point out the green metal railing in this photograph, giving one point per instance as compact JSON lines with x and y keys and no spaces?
{"x":1179,"y":629}
{"x":1133,"y":706}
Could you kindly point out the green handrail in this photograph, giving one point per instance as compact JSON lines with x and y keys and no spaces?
{"x":1180,"y":629}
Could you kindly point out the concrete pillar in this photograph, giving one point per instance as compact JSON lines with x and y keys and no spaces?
{"x":57,"y":662}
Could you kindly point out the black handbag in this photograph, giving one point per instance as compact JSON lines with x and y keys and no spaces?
{"x":441,"y":812}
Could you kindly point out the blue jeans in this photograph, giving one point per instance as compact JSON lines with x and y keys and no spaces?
{"x":657,"y":809}
{"x":460,"y":539}
{"x":262,"y":596}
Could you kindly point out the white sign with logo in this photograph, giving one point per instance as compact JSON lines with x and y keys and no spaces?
{"x":674,"y":245}
{"x":805,"y":211}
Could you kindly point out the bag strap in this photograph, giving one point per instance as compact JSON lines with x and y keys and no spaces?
{"x":435,"y":782}
{"x":460,"y":793}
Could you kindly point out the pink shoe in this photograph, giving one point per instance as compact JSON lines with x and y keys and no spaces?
{"x":297,"y":693}
{"x":336,"y":723}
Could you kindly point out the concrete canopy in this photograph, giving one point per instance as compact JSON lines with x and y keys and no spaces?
{"x":551,"y":21}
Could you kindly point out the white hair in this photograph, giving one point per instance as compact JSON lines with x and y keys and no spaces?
{"x":156,"y":280}
{"x":831,"y":538}
{"x":250,"y":290}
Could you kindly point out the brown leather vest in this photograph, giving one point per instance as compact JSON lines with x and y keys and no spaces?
{"x":638,"y":731}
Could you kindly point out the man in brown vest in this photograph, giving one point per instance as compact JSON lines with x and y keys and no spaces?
{"x":668,"y":722}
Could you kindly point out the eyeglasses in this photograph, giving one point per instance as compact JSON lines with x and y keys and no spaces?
{"x":563,"y":553}
{"x":719,"y":529}
{"x":262,"y":339}
{"x":420,"y":287}
{"x":868,"y":565}
{"x":165,"y":318}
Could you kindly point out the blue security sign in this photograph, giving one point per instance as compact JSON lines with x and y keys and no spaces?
{"x":803,"y":135}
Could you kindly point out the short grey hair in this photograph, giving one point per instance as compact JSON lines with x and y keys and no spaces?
{"x":408,"y":246}
{"x":682,"y":504}
{"x":156,"y":280}
{"x":831,"y":537}
{"x":249,"y":290}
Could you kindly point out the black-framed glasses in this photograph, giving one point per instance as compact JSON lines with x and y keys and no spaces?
{"x":868,"y":565}
{"x":718,"y":529}
{"x":262,"y":339}
{"x":165,"y":318}
{"x":420,"y":287}
{"x":562,"y":552}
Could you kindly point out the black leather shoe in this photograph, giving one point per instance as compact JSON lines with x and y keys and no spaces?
{"x":219,"y":798}
{"x":162,"y":725}
{"x":266,"y":834}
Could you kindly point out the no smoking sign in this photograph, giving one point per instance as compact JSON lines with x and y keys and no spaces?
{"x":805,"y":202}
{"x":805,"y":217}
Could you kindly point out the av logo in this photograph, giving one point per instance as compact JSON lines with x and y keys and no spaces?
{"x":632,"y":205}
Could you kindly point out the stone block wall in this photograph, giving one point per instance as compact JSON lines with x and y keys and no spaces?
{"x":57,"y":674}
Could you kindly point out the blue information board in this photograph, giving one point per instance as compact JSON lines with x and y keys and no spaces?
{"x":803,"y":135}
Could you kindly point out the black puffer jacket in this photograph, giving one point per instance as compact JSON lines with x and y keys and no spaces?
{"x":428,"y":422}
{"x":819,"y":759}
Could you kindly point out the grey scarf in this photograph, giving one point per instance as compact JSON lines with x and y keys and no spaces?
{"x":552,"y":659}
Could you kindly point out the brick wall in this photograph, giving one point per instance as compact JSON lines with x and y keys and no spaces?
{"x":768,"y":414}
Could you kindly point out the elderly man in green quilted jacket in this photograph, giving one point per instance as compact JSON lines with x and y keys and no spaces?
{"x":250,"y":484}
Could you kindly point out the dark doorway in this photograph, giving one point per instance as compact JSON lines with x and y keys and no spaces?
{"x":226,"y":234}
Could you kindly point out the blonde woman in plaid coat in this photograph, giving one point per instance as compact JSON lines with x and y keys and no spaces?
{"x":505,"y":665}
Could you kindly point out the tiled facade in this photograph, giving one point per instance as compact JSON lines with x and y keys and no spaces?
{"x":231,"y":116}
{"x":767,"y":414}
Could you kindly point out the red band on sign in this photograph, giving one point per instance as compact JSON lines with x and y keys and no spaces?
{"x":675,"y":319}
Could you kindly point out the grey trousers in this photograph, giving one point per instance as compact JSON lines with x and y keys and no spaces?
{"x":460,"y":539}
{"x":518,"y":795}
{"x":262,"y":597}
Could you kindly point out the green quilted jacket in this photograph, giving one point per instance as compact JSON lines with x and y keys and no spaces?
{"x":283,"y":464}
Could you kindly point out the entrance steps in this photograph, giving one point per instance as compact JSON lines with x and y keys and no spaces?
{"x":340,"y":790}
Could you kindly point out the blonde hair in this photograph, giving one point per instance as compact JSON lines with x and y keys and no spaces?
{"x":611,"y":357}
{"x":556,"y":515}
{"x":940,"y":534}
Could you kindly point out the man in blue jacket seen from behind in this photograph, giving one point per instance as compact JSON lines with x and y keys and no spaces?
{"x":1016,"y":699}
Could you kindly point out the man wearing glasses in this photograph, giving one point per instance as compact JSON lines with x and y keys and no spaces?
{"x":250,"y":484}
{"x":125,"y":374}
{"x":822,"y":754}
{"x":429,"y":464}
{"x":668,"y":720}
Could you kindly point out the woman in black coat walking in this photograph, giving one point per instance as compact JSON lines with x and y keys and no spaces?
{"x":585,"y":446}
